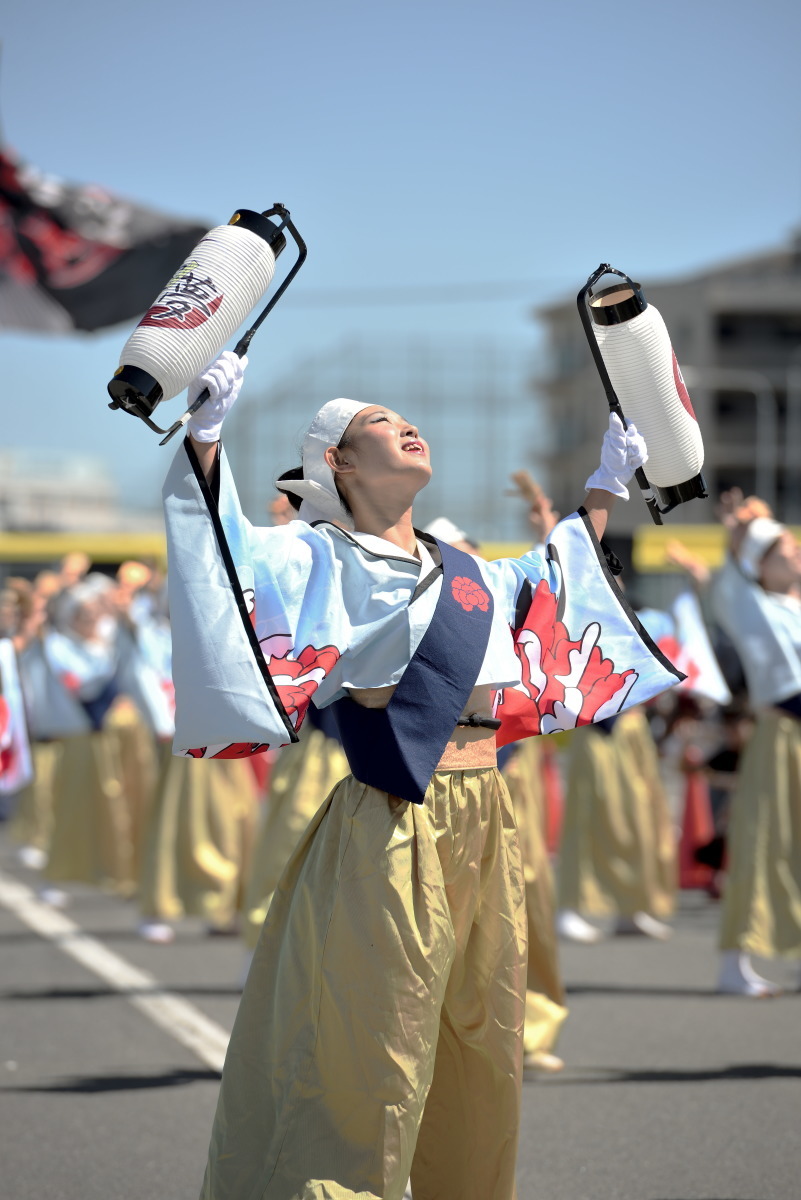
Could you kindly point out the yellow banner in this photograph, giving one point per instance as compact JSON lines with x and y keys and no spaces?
{"x":706,"y":542}
{"x":101,"y":547}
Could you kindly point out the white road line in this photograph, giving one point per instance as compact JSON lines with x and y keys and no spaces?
{"x":187,"y":1024}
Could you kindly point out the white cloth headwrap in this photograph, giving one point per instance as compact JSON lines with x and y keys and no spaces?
{"x":317,"y":489}
{"x":759,"y":537}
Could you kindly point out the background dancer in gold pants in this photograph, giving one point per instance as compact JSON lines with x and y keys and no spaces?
{"x":758,"y":602}
{"x":546,"y":1007}
{"x":198,"y":845}
{"x":302,"y":775}
{"x":618,"y":851}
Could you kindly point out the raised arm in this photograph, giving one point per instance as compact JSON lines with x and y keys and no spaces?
{"x":543,"y":517}
{"x":223,"y":378}
{"x":622,"y":452}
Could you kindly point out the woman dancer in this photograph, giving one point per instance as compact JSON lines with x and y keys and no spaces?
{"x":758,"y":603}
{"x":546,"y":1003}
{"x":618,"y":851}
{"x":380,"y":1030}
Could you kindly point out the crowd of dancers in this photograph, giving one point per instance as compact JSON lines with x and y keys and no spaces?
{"x":701,"y":775}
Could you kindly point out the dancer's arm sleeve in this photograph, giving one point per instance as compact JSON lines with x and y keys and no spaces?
{"x":84,"y":675}
{"x":765,"y":635}
{"x":255,"y":615}
{"x":583,"y":653}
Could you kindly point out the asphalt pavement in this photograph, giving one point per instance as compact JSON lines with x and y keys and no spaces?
{"x":670,"y":1092}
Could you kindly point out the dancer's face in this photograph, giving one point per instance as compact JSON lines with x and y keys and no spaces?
{"x":380,"y":450}
{"x":780,"y":569}
{"x":85,"y":619}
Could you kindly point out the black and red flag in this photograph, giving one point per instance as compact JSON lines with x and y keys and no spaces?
{"x":75,"y":256}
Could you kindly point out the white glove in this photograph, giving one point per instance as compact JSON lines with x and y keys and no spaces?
{"x":622,"y":452}
{"x":223,"y":378}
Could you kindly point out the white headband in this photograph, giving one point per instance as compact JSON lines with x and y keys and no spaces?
{"x":760,"y":535}
{"x":317,"y":488}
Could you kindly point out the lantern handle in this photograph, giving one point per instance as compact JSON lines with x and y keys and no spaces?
{"x":243,"y":344}
{"x":611,"y":395}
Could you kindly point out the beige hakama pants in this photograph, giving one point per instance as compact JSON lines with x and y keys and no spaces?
{"x":762,"y":899}
{"x":303,"y":774}
{"x":91,"y":836}
{"x":199,"y":840}
{"x":137,"y":754}
{"x":618,"y":851}
{"x":32,"y":822}
{"x":380,"y":1032}
{"x":545,"y":993}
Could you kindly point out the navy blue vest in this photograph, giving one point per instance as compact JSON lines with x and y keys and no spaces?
{"x":396,"y":749}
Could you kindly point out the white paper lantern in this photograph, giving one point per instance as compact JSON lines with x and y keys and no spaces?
{"x":194,"y":316}
{"x":635,"y":346}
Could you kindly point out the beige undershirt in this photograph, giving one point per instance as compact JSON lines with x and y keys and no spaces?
{"x":479,"y":700}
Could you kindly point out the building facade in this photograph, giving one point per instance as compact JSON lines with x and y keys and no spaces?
{"x":48,"y":490}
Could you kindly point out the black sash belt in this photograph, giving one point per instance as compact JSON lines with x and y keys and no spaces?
{"x":474,"y":721}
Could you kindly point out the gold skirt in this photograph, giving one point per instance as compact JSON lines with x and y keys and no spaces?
{"x":380,"y":1032}
{"x":618,"y":852}
{"x":302,"y":775}
{"x":545,"y":993}
{"x":762,"y":900}
{"x":199,"y":840}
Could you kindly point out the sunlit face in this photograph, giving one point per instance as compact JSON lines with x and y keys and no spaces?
{"x":381,"y":448}
{"x":780,"y":568}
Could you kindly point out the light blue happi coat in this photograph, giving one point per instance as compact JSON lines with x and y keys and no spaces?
{"x":766,"y":631}
{"x":264,"y":620}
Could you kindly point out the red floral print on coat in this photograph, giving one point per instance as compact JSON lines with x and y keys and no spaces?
{"x":565,"y":682}
{"x":234,"y":750}
{"x":469,"y":594}
{"x":296,"y":679}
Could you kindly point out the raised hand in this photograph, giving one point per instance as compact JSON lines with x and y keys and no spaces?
{"x":622,"y":452}
{"x":223,"y":378}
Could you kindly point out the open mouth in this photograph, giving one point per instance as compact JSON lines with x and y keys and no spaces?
{"x":413,"y":448}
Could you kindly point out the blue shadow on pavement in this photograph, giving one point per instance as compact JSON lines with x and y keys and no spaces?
{"x":91,"y":1085}
{"x":742,"y":1071}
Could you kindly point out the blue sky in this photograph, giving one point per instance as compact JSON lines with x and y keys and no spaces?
{"x":417,"y":144}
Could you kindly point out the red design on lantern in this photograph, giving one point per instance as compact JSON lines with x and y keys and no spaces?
{"x":165,"y":316}
{"x":681,"y":388}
